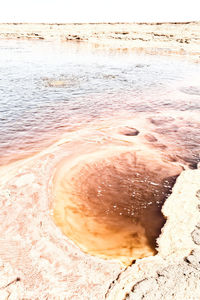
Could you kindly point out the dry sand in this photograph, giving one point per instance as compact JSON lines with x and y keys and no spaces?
{"x":153,"y":38}
{"x":36,"y":260}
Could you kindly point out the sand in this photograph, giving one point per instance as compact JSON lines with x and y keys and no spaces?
{"x":153,"y":38}
{"x":36,"y":260}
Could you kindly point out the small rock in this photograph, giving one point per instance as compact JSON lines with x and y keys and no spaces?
{"x":150,"y":138}
{"x":196,"y":236}
{"x":194,"y":259}
{"x":129,"y":131}
{"x":198,"y":194}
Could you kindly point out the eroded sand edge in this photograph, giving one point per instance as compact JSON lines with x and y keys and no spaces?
{"x":174,"y":273}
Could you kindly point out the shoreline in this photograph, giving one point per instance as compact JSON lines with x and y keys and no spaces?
{"x":151,"y":38}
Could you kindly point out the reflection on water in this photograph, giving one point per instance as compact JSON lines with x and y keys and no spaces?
{"x":127,"y":124}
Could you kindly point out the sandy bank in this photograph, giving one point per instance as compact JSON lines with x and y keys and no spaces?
{"x":38,"y":261}
{"x":153,"y":38}
{"x":174,"y":272}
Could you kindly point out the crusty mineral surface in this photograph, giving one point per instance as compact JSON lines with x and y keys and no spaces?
{"x":174,"y":273}
{"x":37,"y":261}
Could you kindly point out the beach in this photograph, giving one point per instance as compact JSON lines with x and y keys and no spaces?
{"x":152,"y":38}
{"x":107,"y":205}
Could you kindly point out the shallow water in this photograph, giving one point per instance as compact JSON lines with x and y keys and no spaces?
{"x":109,"y":200}
{"x":47,"y":87}
{"x":126,"y":126}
